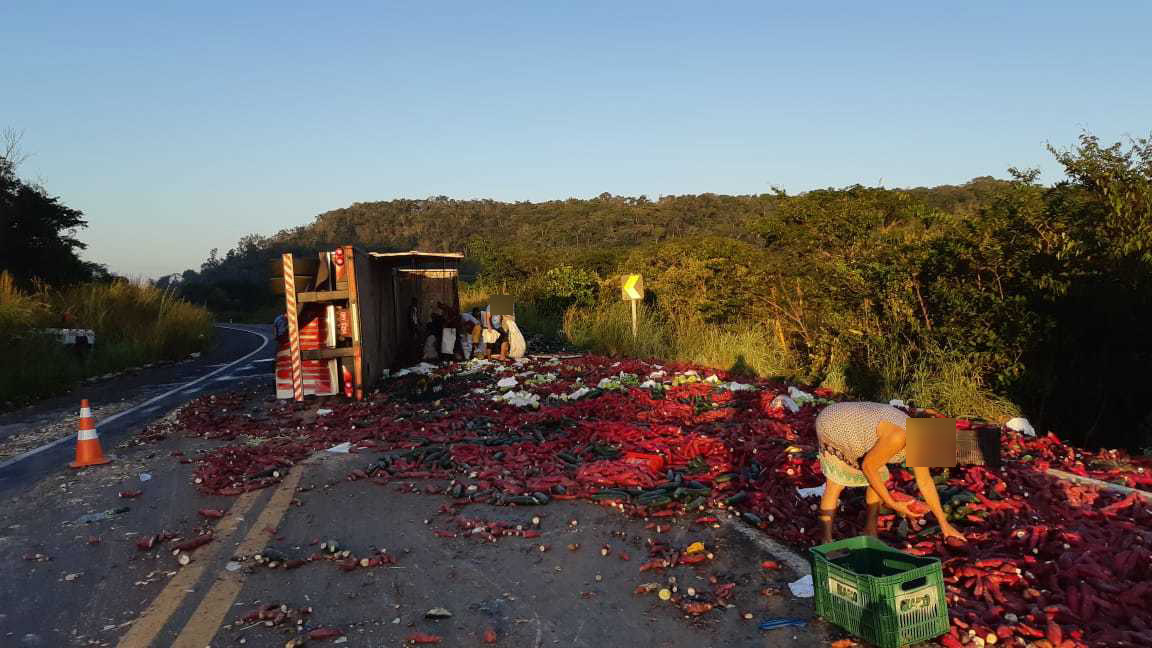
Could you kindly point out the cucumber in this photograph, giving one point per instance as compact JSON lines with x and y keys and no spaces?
{"x":736,"y":499}
{"x":567,"y":458}
{"x":726,"y":477}
{"x":650,"y":496}
{"x":663,"y":500}
{"x":752,"y":518}
{"x":602,"y":496}
{"x":968,"y":497}
{"x":526,"y":500}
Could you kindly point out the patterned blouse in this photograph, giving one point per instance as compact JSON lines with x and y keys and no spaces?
{"x":847,"y":431}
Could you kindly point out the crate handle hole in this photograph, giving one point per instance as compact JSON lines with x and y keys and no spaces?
{"x":913,"y":584}
{"x":839,"y":553}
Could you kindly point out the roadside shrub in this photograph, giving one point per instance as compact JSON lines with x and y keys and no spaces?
{"x":134,"y":324}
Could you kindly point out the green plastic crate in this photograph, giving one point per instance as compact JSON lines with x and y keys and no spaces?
{"x":880,"y":594}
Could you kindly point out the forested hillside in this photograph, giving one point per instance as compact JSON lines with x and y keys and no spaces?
{"x":990,"y":298}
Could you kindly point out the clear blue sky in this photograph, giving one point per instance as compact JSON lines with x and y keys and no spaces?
{"x":181,"y":129}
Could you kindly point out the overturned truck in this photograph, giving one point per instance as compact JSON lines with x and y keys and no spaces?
{"x":352,"y":314}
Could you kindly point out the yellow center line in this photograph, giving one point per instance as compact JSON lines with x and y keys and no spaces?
{"x":213,"y":609}
{"x":155,"y":616}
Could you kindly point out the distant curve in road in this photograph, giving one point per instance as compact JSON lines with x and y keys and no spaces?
{"x":35,"y":464}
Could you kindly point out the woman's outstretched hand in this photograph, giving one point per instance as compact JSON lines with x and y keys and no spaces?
{"x":912,"y":509}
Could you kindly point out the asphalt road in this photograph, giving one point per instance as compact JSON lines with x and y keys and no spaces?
{"x":239,"y":352}
{"x":70,"y":576}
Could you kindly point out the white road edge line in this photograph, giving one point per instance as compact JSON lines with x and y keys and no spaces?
{"x":761,"y":539}
{"x":265,"y":340}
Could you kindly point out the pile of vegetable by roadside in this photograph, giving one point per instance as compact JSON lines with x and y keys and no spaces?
{"x":1047,"y":562}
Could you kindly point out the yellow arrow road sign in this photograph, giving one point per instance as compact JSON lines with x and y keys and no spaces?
{"x":633,"y":287}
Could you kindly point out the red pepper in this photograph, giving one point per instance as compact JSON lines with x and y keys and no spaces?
{"x":421,"y":638}
{"x":194,"y":543}
{"x":211,"y":513}
{"x":696,"y":609}
{"x":490,"y":636}
{"x":1029,"y":631}
{"x":325,"y":633}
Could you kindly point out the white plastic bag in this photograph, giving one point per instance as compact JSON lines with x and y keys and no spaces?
{"x":800,"y":396}
{"x":816,"y":491}
{"x":803,"y":588}
{"x":783,"y":402}
{"x":1021,"y":425}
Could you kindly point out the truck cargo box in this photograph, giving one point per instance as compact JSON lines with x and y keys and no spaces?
{"x":347,"y":316}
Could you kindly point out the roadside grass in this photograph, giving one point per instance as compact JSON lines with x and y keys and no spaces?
{"x":607,"y":330}
{"x":952,"y":384}
{"x":134,"y":323}
{"x":937,"y":379}
{"x":473,"y":295}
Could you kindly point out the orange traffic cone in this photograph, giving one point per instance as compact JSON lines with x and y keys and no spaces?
{"x":88,"y":451}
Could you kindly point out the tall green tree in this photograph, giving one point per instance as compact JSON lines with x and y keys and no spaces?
{"x":38,"y":232}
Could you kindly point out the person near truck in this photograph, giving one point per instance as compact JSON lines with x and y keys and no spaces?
{"x":449,"y":326}
{"x":495,"y":337}
{"x":857,"y":440}
{"x":469,"y":332}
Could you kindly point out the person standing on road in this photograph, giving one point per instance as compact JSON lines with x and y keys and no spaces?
{"x":280,"y":326}
{"x":857,"y":441}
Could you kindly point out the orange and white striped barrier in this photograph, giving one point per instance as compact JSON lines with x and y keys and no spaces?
{"x":88,"y":450}
{"x":293,"y":328}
